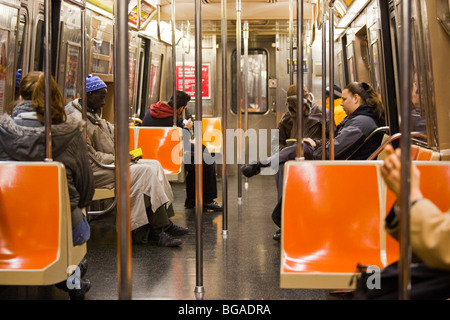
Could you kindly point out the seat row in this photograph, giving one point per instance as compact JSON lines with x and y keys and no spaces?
{"x":333,"y":218}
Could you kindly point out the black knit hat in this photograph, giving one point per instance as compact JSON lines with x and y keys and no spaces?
{"x":182,"y":99}
{"x":337,"y":92}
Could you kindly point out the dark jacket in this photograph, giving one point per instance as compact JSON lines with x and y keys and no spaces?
{"x":312,"y":124}
{"x":160,"y":114}
{"x":23,"y":139}
{"x":349,"y":135}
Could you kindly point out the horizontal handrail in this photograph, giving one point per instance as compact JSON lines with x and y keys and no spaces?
{"x":392,"y":138}
{"x":102,"y":165}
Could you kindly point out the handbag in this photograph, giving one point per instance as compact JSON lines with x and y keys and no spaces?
{"x":426,"y":283}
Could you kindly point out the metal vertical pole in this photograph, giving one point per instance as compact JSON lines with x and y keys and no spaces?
{"x":331,"y":53}
{"x":47,"y":79}
{"x":245,"y":85}
{"x":174,"y":64}
{"x":183,"y":57}
{"x":224,"y":120}
{"x":199,"y":289}
{"x":291,"y":42}
{"x":405,"y":142}
{"x":300,"y":40}
{"x":239,"y":96}
{"x":121,"y":145}
{"x":83,"y":69}
{"x":324,"y":79}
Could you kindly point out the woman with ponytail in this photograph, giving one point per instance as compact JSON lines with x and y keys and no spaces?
{"x":365,"y":113}
{"x":22,"y":138}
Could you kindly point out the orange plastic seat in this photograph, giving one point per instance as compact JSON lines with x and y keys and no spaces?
{"x":434,"y":184}
{"x":330,"y":222}
{"x":132,"y":131}
{"x":164,"y":144}
{"x":212,"y":134}
{"x":35,"y":224}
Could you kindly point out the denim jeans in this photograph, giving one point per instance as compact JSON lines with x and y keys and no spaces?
{"x":81,"y":233}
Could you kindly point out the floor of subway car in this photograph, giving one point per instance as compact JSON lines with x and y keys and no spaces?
{"x":243,"y":266}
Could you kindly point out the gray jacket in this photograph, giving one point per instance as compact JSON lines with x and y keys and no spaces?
{"x":22,"y":138}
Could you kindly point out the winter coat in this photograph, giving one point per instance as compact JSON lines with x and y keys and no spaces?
{"x":100,"y":144}
{"x":160,"y":114}
{"x":430,"y":233}
{"x":312,"y":124}
{"x":349,"y":135}
{"x":22,"y":138}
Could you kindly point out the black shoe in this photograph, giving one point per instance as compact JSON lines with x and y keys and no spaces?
{"x":83,"y":267}
{"x":189,"y":204}
{"x":174,"y":230}
{"x":251,"y":170}
{"x":212,"y":205}
{"x":78,"y":294}
{"x":277,"y":235}
{"x":163,"y":239}
{"x":140,"y":235}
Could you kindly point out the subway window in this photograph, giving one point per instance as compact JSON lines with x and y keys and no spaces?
{"x":257,"y":81}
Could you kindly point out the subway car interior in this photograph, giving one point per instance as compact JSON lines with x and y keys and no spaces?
{"x":246,"y":55}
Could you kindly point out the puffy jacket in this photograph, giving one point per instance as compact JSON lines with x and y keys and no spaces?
{"x":312,"y":123}
{"x":23,"y":139}
{"x":349,"y":135}
{"x":160,"y":114}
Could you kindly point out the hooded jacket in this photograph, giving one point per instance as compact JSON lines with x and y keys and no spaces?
{"x":160,"y":114}
{"x":312,"y":125}
{"x":349,"y":135}
{"x":22,"y":138}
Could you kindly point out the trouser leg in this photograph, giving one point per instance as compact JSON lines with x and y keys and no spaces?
{"x":159,"y":218}
{"x":276,"y":214}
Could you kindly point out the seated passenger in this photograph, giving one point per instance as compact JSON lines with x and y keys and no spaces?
{"x":365,"y":113}
{"x":430,"y":227}
{"x":160,"y":114}
{"x":418,"y":121}
{"x":23,"y":139}
{"x":312,"y":117}
{"x":429,"y":237}
{"x":150,"y":192}
{"x":339,"y":113}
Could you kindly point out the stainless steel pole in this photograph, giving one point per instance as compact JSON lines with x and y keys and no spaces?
{"x":199,"y":289}
{"x":245,"y":85}
{"x":405,"y":144}
{"x":239,"y":97}
{"x":121,"y":102}
{"x":224,"y":33}
{"x":83,"y":69}
{"x":174,"y":64}
{"x":331,"y":52}
{"x":291,"y":42}
{"x":324,"y":79}
{"x":47,"y":79}
{"x":300,"y":40}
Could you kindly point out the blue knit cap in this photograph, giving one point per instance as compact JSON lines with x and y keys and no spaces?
{"x":94,"y":83}
{"x":18,"y":77}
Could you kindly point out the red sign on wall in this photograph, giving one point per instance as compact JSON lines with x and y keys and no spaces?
{"x":189,"y":80}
